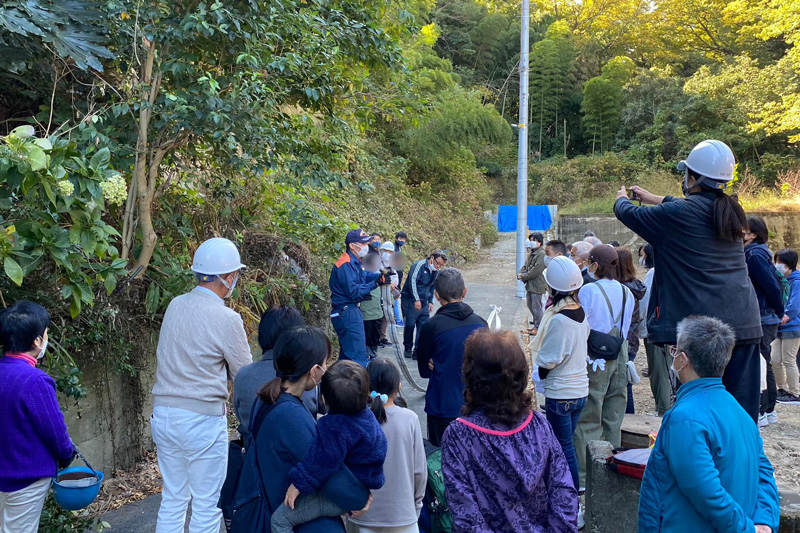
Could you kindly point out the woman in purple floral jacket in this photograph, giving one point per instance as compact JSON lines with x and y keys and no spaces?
{"x":503,"y":467}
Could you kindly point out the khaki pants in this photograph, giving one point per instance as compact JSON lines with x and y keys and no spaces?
{"x":784,"y":364}
{"x":601,"y":419}
{"x":658,"y":367}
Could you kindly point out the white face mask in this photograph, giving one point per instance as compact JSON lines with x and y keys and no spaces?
{"x":229,"y":287}
{"x":363,"y":251}
{"x":643,"y":261}
{"x":432,"y":266}
{"x":44,"y":350}
{"x":781,"y":268}
{"x":676,"y":371}
{"x":547,"y":261}
{"x":385,"y":256}
{"x":528,"y":245}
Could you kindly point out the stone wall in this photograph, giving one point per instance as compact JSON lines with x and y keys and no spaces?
{"x":612,"y":500}
{"x":784,"y":229}
{"x":110,"y":426}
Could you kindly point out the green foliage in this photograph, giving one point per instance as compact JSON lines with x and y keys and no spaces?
{"x":602,"y":102}
{"x":51,"y":208}
{"x":54,"y":519}
{"x":72,"y":27}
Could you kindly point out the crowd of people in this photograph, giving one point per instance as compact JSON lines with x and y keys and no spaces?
{"x":331,"y":446}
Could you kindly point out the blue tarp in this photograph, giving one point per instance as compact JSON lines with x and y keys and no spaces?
{"x":539,"y":218}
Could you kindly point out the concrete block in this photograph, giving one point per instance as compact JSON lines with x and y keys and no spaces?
{"x":612,"y":500}
{"x":790,"y":511}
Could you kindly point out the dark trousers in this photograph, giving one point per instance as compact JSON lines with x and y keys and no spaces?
{"x":414,"y":320}
{"x":769,"y":396}
{"x":349,"y":326}
{"x":372,"y":332}
{"x":436,"y":427}
{"x":742,"y":378}
{"x":563,"y":416}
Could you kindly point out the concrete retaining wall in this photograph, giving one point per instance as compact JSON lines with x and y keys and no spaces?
{"x":111,"y":424}
{"x":784,"y":229}
{"x":612,"y":500}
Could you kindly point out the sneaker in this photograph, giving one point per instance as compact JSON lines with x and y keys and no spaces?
{"x":782,"y":392}
{"x":400,"y":324}
{"x":762,"y":420}
{"x":789,"y":399}
{"x":581,"y":521}
{"x":772,"y":417}
{"x":414,"y":355}
{"x":407,"y":354}
{"x":385,"y":342}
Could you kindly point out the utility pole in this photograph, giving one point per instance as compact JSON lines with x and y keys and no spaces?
{"x":522,"y":163}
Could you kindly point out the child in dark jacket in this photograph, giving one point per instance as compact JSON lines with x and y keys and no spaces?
{"x":349,"y":436}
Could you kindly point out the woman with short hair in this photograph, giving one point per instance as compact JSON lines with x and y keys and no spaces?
{"x":786,"y":344}
{"x":707,"y":471}
{"x":34,"y":440}
{"x":762,"y":274}
{"x":503,"y":466}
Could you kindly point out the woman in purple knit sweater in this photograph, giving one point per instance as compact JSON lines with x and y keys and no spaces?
{"x":504,"y":469}
{"x":34,"y":440}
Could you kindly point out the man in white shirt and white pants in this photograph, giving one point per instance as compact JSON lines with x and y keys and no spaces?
{"x":202,"y":345}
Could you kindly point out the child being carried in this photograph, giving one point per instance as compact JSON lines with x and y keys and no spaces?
{"x":349,"y":435}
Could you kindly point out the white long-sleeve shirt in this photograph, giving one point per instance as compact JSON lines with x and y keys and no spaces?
{"x":596,"y":308}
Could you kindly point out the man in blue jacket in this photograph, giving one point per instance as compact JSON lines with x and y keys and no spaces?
{"x":440,"y":352}
{"x":349,"y":284}
{"x":707,"y":471}
{"x":417,"y":297}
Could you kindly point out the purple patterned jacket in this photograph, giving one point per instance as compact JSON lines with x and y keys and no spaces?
{"x":507,"y":479}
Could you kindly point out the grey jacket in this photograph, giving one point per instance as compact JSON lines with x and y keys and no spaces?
{"x":533,"y":272}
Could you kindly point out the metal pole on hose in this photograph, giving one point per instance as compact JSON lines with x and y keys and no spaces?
{"x":522,"y":157}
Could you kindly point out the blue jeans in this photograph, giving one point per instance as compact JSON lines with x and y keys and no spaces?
{"x":563,"y":416}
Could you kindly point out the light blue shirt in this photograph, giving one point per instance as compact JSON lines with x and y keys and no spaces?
{"x":209,"y":291}
{"x":707,"y":471}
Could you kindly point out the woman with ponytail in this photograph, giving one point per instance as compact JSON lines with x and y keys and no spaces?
{"x":286,"y":430}
{"x":396,"y":506}
{"x":699,"y":262}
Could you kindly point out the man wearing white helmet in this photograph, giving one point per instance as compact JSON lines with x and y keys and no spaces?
{"x":201,"y":347}
{"x":699,"y":262}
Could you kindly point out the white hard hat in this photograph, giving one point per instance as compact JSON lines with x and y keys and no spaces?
{"x":711,"y":159}
{"x":563,"y":274}
{"x":387,"y":246}
{"x":217,"y":256}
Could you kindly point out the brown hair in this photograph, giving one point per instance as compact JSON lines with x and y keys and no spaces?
{"x":496,"y":377}
{"x":606,"y":272}
{"x":345,"y":387}
{"x":626,"y":270}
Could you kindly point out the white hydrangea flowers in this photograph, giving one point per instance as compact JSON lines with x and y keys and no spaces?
{"x":66,"y":188}
{"x":114,"y":190}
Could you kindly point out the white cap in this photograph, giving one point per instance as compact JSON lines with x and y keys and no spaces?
{"x":387,"y":246}
{"x":711,"y":159}
{"x":563,"y":274}
{"x":217,"y":256}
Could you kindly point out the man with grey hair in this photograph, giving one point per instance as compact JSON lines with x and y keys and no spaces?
{"x":440,"y":352}
{"x":579,"y":252}
{"x":594,"y":241}
{"x":707,"y":471}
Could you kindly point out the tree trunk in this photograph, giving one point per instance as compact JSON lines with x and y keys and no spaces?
{"x":145,"y":173}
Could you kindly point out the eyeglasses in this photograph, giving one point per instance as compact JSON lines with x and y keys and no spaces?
{"x":674,"y":351}
{"x":439,"y":263}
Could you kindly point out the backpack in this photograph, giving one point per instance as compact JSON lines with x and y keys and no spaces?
{"x":435,"y":499}
{"x":783,"y":283}
{"x":631,"y":463}
{"x":249,"y":510}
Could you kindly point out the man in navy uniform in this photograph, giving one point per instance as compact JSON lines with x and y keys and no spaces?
{"x":349,"y":284}
{"x":417,"y":298}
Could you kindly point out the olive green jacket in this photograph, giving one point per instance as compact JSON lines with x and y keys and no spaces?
{"x":371,"y":309}
{"x":533,"y":272}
